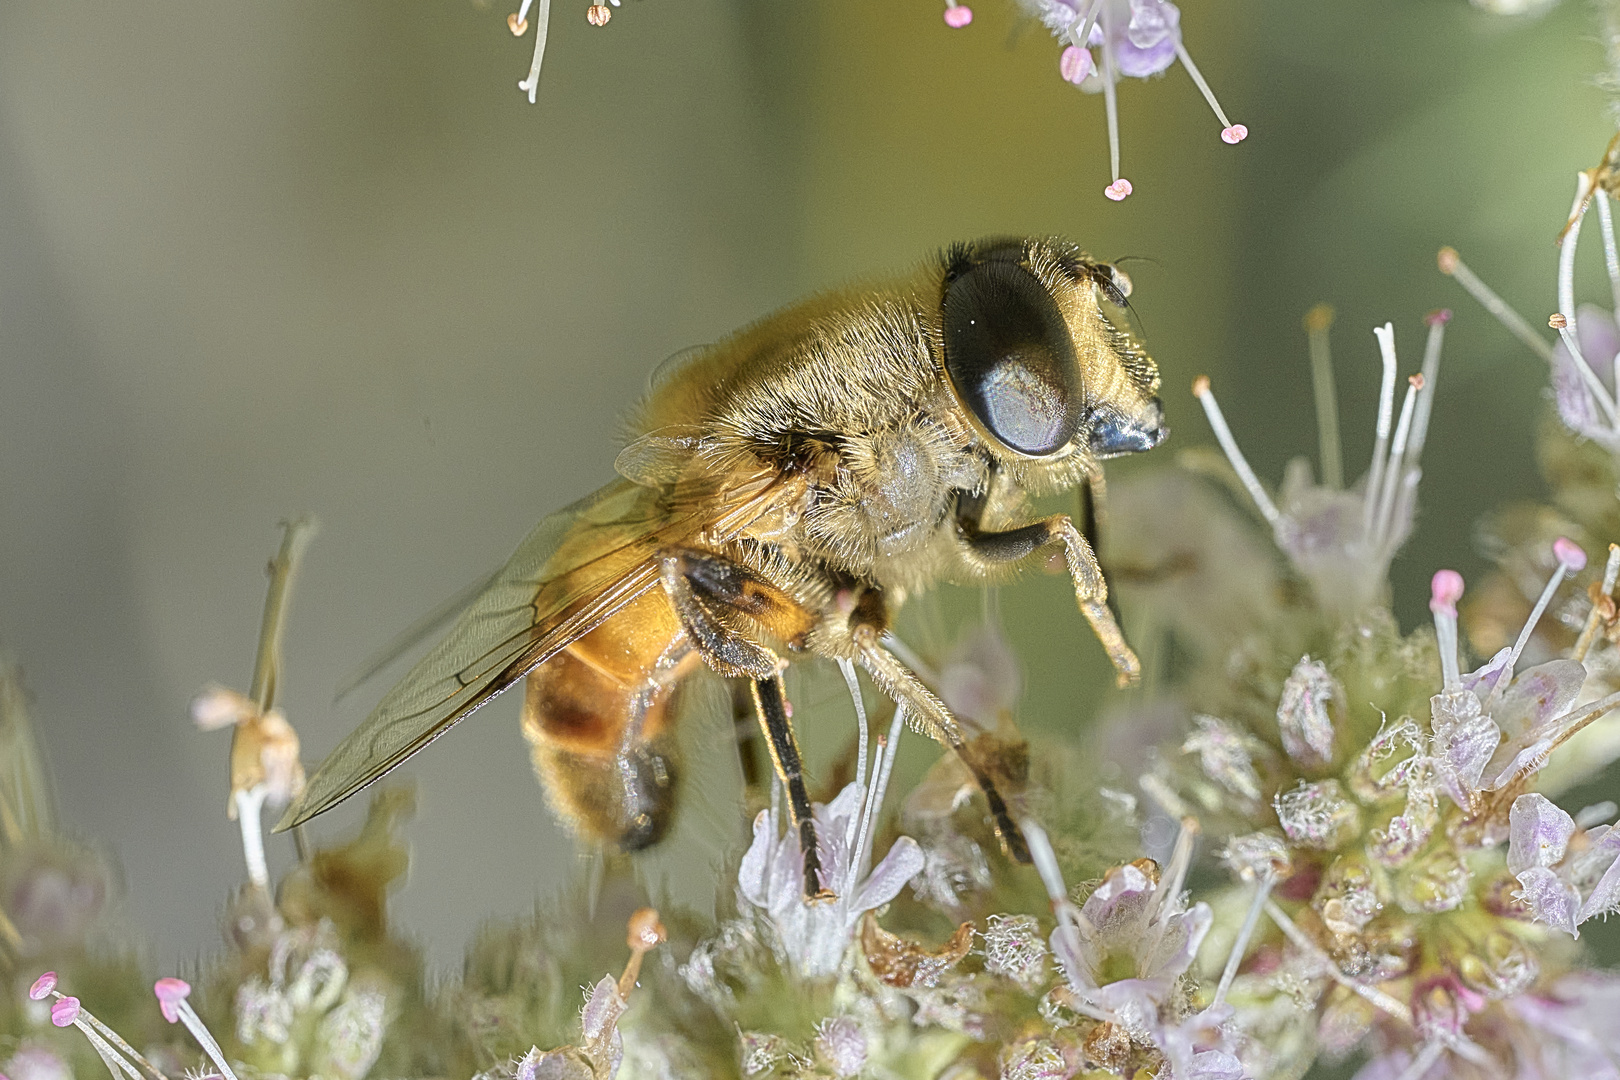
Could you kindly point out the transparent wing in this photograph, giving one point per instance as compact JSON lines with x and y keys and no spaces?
{"x":571,"y":573}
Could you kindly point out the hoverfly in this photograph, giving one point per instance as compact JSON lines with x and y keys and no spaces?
{"x":788,"y":488}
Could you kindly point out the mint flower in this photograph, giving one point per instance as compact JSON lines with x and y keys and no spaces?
{"x":1135,"y":39}
{"x":1568,"y":875}
{"x":814,"y":937}
{"x":1342,"y":540}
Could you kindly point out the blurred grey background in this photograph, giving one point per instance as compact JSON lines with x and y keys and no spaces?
{"x":262,"y":259}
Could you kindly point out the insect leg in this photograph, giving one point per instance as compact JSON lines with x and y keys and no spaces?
{"x":697,"y":581}
{"x":773,"y":718}
{"x":902,"y":684}
{"x":1090,"y":589}
{"x":1093,"y":512}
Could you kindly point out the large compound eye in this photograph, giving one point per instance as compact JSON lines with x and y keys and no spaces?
{"x":1010,"y":358}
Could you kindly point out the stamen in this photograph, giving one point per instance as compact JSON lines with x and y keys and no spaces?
{"x":1240,"y":464}
{"x":1163,"y":794}
{"x":646,"y":933}
{"x":1452,"y":265}
{"x":1445,"y":589}
{"x":114,"y":1061}
{"x":1611,"y":573}
{"x":1564,"y":325}
{"x":1437,"y":321}
{"x":1175,"y":874}
{"x":1317,"y":322}
{"x":1611,"y":255}
{"x":171,"y":994}
{"x":68,"y":1011}
{"x":542,"y":20}
{"x":1403,"y":428}
{"x":882,"y":765}
{"x":1230,"y":133}
{"x":1075,"y":64}
{"x":1386,"y":411}
{"x":1571,"y":559}
{"x":599,"y":14}
{"x":1262,"y":892}
{"x":1566,"y":253}
{"x":957,"y":15}
{"x":1170,"y":884}
{"x":64,"y":1011}
{"x":1120,"y":187}
{"x":518,"y":21}
{"x":847,"y":666}
{"x":1085,"y":23}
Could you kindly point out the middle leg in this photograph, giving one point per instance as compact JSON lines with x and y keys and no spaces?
{"x":697,"y":583}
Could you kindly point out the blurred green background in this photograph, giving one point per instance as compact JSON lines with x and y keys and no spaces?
{"x":261,"y":259}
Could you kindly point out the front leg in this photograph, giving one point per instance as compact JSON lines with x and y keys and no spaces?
{"x":697,"y":582}
{"x":1090,"y":588}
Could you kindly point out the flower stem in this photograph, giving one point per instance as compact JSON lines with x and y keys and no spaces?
{"x":267,"y":665}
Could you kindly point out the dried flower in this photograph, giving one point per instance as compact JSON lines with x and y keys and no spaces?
{"x":1013,"y":947}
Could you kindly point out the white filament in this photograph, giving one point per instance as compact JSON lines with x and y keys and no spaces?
{"x":1262,"y":891}
{"x":542,"y":20}
{"x":1240,"y":464}
{"x":1611,"y":255}
{"x":1111,"y":107}
{"x":1512,"y":320}
{"x":1203,"y":87}
{"x":1386,"y":411}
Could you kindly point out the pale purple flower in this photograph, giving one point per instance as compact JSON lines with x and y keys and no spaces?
{"x":35,"y":1062}
{"x":1130,"y":924}
{"x":1124,"y":952}
{"x":1566,"y":875}
{"x":1531,"y":713}
{"x":980,"y":678}
{"x":600,"y":1051}
{"x":1464,"y":739}
{"x":815,"y":937}
{"x":1341,"y":539}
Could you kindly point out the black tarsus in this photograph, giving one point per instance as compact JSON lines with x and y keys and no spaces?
{"x":773,"y":718}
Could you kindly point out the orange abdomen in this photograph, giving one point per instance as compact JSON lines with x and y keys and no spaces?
{"x":598,"y":717}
